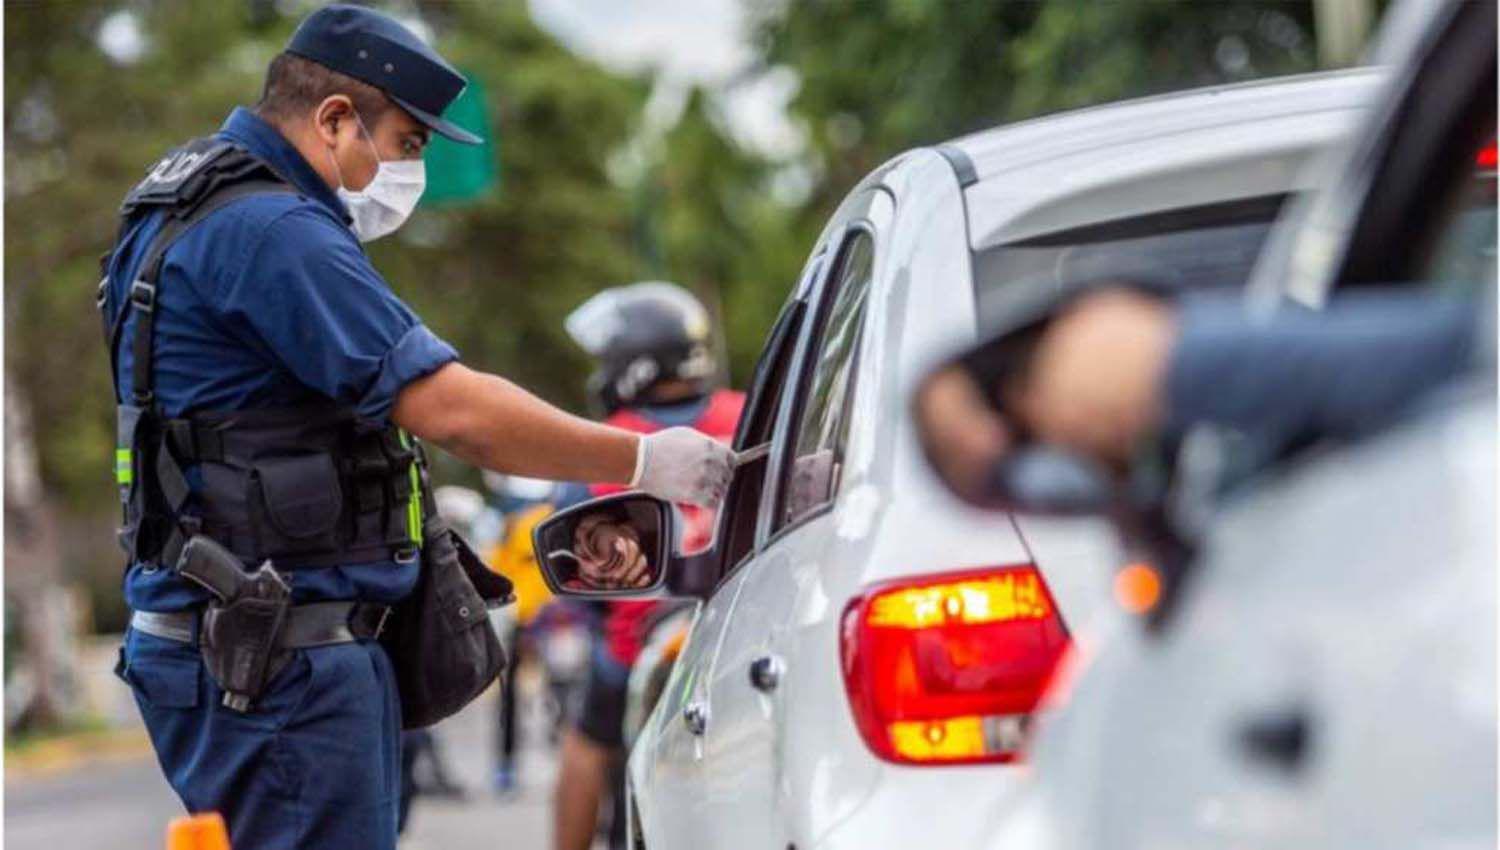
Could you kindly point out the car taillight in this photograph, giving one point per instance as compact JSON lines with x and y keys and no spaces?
{"x":1486,"y":159}
{"x":947,"y":669}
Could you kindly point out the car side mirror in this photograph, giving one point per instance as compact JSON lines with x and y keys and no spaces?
{"x":614,"y":546}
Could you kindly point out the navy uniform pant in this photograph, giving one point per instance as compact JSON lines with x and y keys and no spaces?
{"x":316,"y":763}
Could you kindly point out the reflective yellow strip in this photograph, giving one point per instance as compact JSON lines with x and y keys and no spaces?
{"x":123,"y":474}
{"x":413,"y":504}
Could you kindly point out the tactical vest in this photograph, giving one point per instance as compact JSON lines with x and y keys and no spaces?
{"x":312,"y":486}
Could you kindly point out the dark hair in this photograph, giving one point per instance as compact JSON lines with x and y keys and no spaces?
{"x":295,"y":85}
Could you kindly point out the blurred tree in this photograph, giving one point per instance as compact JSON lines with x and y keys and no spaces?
{"x":880,"y":76}
{"x":94,"y":92}
{"x":1078,"y":55}
{"x":708,"y":220}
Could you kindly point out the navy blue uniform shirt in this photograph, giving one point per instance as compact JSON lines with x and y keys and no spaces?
{"x":271,"y":302}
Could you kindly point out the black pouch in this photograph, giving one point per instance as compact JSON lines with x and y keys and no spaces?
{"x":440,"y":640}
{"x":143,"y":522}
{"x":299,"y":506}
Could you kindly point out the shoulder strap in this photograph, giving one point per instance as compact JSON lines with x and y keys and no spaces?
{"x":142,"y":294}
{"x":186,"y":172}
{"x":188,"y":185}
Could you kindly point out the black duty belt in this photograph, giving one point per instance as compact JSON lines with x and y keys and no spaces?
{"x":314,"y":624}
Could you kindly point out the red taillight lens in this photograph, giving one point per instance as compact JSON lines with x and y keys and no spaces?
{"x":946,"y":669}
{"x":1486,"y":158}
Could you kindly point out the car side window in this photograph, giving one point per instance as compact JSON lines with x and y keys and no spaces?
{"x":822,"y":422}
{"x":738,"y":515}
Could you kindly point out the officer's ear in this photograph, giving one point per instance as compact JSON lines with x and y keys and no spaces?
{"x":332,"y":117}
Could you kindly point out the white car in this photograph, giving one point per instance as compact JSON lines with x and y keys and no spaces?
{"x":1326,"y":676}
{"x":868,"y":652}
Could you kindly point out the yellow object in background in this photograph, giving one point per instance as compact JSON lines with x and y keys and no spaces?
{"x":515,"y":559}
{"x":198,"y":832}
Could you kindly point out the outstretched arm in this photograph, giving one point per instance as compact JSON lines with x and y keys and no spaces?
{"x":490,"y":422}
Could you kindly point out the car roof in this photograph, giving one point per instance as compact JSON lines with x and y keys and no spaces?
{"x":1135,"y":157}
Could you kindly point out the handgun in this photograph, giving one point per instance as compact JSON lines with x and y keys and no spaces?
{"x":241,"y":633}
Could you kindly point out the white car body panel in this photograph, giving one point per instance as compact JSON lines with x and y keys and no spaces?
{"x":1143,"y":156}
{"x":1389,"y":654}
{"x":789,"y":767}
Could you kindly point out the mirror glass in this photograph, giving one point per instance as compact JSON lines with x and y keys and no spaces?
{"x":615,"y":546}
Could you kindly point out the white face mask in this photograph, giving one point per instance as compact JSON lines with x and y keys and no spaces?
{"x":385,"y":204}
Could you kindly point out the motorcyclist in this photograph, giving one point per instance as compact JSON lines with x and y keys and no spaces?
{"x":654,"y":344}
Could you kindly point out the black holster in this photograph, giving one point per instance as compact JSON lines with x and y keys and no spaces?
{"x":239,"y":642}
{"x":241,"y":633}
{"x":439,"y":638}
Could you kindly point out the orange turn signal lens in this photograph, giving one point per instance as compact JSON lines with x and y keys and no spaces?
{"x":947,"y":739}
{"x":996,"y":599}
{"x":1138,"y":588}
{"x":964,"y":738}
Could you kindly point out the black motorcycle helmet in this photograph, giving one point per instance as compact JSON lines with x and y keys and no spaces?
{"x":643,"y":335}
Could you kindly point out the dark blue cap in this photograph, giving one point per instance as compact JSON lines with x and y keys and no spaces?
{"x":376,"y":49}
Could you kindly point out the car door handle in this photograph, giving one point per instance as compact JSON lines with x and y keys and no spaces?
{"x":695,"y":717}
{"x":766,"y":672}
{"x":1279,"y":739}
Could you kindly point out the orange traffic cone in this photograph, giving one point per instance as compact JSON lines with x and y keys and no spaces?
{"x":198,"y":832}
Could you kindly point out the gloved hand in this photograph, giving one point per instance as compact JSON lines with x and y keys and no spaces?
{"x":683,"y":465}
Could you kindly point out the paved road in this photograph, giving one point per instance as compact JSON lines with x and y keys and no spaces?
{"x":126,"y":805}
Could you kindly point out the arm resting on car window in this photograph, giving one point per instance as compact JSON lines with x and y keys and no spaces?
{"x":1118,"y":365}
{"x":1347,"y":370}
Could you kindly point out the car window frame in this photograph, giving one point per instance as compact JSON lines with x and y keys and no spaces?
{"x":809,"y":349}
{"x":785,"y":335}
{"x":1426,"y":138}
{"x":784,"y":332}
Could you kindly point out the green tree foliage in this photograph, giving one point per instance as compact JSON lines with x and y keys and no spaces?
{"x":1078,"y":55}
{"x":79,"y":131}
{"x":708,"y":220}
{"x":497,"y":277}
{"x":880,"y":76}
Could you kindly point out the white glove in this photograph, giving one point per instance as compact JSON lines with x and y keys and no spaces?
{"x":683,"y":465}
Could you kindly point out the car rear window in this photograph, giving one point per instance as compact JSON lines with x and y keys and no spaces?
{"x":1207,"y":247}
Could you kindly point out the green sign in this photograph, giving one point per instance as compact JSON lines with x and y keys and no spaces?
{"x":457,"y":173}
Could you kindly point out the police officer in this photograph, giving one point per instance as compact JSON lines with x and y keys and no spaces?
{"x":269,"y":387}
{"x":656,"y":368}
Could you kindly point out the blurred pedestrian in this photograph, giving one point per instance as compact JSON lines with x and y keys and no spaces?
{"x":526,"y":503}
{"x":422,"y":754}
